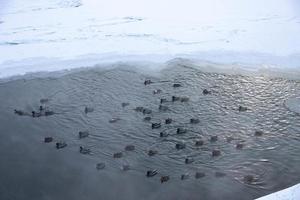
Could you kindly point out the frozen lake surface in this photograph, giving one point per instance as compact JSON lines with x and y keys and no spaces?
{"x":40,"y":35}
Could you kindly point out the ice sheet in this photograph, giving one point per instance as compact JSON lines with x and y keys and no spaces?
{"x":251,"y":32}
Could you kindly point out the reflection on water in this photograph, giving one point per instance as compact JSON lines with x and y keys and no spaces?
{"x":259,"y":164}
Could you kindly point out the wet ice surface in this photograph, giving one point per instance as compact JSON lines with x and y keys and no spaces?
{"x":36,"y":33}
{"x":32,"y":169}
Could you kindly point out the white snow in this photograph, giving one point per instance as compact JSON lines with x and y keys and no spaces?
{"x":42,"y":35}
{"x":291,"y":193}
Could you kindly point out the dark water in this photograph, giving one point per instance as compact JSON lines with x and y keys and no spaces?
{"x":32,"y":169}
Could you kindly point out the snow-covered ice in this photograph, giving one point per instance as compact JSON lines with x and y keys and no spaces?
{"x":40,"y":35}
{"x":291,"y":193}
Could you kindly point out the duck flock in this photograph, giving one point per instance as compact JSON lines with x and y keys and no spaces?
{"x":158,"y":127}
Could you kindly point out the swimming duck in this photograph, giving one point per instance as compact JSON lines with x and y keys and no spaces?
{"x":146,"y":111}
{"x":199,"y":143}
{"x":19,"y":112}
{"x":125,"y":104}
{"x":48,"y":139}
{"x":214,"y":138}
{"x":41,"y":108}
{"x":130,"y":147}
{"x":181,"y":130}
{"x":206,"y":92}
{"x":60,"y":145}
{"x":179,"y":146}
{"x":49,"y":113}
{"x":151,"y":173}
{"x":248,"y":179}
{"x":164,"y":179}
{"x":139,"y":109}
{"x":258,"y":133}
{"x":163,"y":108}
{"x":88,"y":110}
{"x":83,"y":134}
{"x":194,"y":121}
{"x":152,"y":152}
{"x":199,"y":175}
{"x":118,"y":155}
{"x":184,"y":99}
{"x":176,"y":85}
{"x":242,"y":108}
{"x":174,"y":98}
{"x":158,"y":91}
{"x":147,"y":82}
{"x":147,"y":118}
{"x":239,"y":146}
{"x":163,"y":134}
{"x":100,"y":166}
{"x":168,"y":121}
{"x":84,"y":150}
{"x":156,"y":125}
{"x":36,"y":114}
{"x":189,"y":160}
{"x":215,"y":152}
{"x":184,"y":176}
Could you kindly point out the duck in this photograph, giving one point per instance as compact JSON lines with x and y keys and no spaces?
{"x":184,"y":176}
{"x":179,"y":146}
{"x":118,"y":155}
{"x":60,"y":145}
{"x":163,"y":108}
{"x":48,"y":139}
{"x":194,"y":121}
{"x":168,"y":121}
{"x":175,"y":98}
{"x":199,"y":143}
{"x":156,"y":125}
{"x":88,"y":110}
{"x":164,"y":179}
{"x":242,"y":108}
{"x":189,"y":160}
{"x":83,"y":134}
{"x":19,"y":112}
{"x":100,"y":166}
{"x":151,"y":173}
{"x":125,"y":104}
{"x":146,"y":111}
{"x":84,"y":150}
{"x":152,"y":152}
{"x":36,"y":114}
{"x":258,"y":133}
{"x":216,"y":153}
{"x":214,"y":138}
{"x":176,"y":85}
{"x":181,"y":130}
{"x":147,"y":82}
{"x":199,"y":175}
{"x":206,"y":92}
{"x":129,"y":147}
